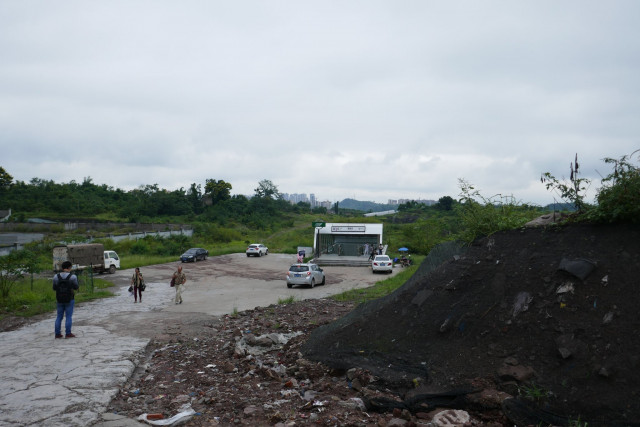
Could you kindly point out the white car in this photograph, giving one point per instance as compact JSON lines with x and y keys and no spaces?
{"x":382,"y":263}
{"x":257,"y":249}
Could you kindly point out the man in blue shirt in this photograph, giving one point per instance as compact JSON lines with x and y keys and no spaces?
{"x":65,"y":284}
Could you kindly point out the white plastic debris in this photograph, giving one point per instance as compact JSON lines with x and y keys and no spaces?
{"x":185,"y":414}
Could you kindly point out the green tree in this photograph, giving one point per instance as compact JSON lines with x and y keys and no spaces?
{"x":267,"y":190}
{"x":217,"y":190}
{"x":445,"y":203}
{"x":5,"y":179}
{"x":195,"y":197}
{"x":407,"y":206}
{"x":12,"y":269}
{"x":29,"y":260}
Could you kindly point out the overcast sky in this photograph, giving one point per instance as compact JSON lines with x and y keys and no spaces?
{"x":372,"y":100}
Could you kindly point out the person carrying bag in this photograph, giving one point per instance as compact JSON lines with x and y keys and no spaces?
{"x":137,"y":282}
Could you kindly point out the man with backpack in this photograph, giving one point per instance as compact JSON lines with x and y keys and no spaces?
{"x":65,"y":284}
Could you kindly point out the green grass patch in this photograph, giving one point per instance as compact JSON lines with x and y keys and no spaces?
{"x":132,"y":261}
{"x":287,"y":300}
{"x":128,"y":260}
{"x":28,"y":300}
{"x":381,"y":288}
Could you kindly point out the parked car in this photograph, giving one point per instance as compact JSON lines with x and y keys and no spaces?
{"x":257,"y":249}
{"x":305,"y":274}
{"x":382,"y":263}
{"x":194,"y":254}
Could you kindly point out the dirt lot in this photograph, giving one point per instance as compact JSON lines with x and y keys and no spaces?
{"x":498,"y":336}
{"x":224,"y":284}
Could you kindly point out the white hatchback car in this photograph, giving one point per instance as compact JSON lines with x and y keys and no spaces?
{"x":257,"y":249}
{"x":382,"y":263}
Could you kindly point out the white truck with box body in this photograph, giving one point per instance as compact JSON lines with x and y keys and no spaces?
{"x":86,"y":256}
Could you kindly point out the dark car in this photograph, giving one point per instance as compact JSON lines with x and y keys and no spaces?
{"x":194,"y":254}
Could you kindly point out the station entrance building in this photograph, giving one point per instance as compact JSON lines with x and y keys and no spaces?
{"x":346,"y":240}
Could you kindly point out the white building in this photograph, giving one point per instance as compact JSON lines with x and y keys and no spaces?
{"x":346,"y":239}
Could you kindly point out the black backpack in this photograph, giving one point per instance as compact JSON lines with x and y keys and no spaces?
{"x":64,"y":290}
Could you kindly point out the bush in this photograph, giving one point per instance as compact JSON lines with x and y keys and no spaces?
{"x":493,"y":214}
{"x":619,"y":197}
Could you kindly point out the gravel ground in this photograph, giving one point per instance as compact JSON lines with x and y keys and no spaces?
{"x":246,"y":369}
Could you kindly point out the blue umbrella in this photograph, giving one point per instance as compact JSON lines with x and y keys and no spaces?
{"x":403,"y":250}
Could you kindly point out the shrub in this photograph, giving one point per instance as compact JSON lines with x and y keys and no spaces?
{"x":619,"y":197}
{"x":493,"y":214}
{"x":572,"y":191}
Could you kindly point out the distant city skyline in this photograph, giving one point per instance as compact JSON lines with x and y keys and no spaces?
{"x":295,"y":198}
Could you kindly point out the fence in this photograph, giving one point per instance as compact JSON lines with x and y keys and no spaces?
{"x":143,"y":234}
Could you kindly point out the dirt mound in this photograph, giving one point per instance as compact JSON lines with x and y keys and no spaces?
{"x":550,"y":314}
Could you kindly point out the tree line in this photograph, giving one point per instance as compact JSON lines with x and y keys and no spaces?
{"x":147,"y":203}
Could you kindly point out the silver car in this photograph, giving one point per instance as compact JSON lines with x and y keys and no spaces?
{"x":305,"y":274}
{"x":382,"y":263}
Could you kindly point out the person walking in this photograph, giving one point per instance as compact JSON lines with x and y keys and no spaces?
{"x":179,"y":280}
{"x":65,"y":284}
{"x":136,"y":281}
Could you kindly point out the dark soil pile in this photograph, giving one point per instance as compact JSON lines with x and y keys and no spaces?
{"x":546,"y":314}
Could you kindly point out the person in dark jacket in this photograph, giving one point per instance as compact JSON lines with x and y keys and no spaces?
{"x":65,"y":284}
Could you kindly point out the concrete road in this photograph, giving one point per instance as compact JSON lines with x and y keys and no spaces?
{"x":70,"y":382}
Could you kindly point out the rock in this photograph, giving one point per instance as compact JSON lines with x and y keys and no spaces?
{"x":309,"y":395}
{"x":354,"y":404}
{"x":608,"y":318}
{"x":565,"y":288}
{"x":564,"y":352}
{"x":489,"y":398}
{"x":521,"y":303}
{"x":511,"y":361}
{"x":264,"y":341}
{"x":568,"y":345}
{"x":518,"y":373}
{"x":545,"y":219}
{"x":181,"y":398}
{"x":351,"y":373}
{"x":251,"y":411}
{"x":451,"y":418}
